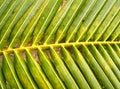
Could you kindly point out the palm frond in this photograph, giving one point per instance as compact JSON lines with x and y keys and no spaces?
{"x":59,"y":44}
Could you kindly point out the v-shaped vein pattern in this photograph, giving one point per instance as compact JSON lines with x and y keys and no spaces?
{"x":59,"y":44}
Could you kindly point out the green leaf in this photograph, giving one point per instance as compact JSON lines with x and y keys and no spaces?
{"x":60,"y":44}
{"x":2,"y":80}
{"x":23,"y":72}
{"x":62,"y":70}
{"x":79,"y":78}
{"x":49,"y":71}
{"x":9,"y":72}
{"x":36,"y":72}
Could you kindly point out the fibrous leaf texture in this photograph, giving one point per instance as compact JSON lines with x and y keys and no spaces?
{"x":60,"y":44}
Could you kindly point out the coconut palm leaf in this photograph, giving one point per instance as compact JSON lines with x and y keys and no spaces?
{"x":60,"y":44}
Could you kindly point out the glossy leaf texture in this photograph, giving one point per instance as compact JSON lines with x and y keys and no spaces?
{"x":60,"y":44}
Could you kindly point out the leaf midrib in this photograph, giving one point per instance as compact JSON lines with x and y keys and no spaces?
{"x":66,"y":44}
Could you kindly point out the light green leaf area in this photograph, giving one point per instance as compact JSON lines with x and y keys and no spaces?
{"x":59,"y":44}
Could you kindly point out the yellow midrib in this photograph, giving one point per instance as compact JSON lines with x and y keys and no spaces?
{"x":45,"y":46}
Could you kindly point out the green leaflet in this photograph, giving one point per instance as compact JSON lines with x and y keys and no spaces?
{"x":111,"y":49}
{"x":49,"y":71}
{"x":94,"y":65}
{"x":23,"y":73}
{"x":98,"y":20}
{"x":45,"y":19}
{"x":67,"y":21}
{"x":107,"y":22}
{"x":26,"y":36}
{"x":81,"y":82}
{"x":63,"y":72}
{"x":9,"y":72}
{"x":15,"y":35}
{"x":2,"y":80}
{"x":4,"y":34}
{"x":111,"y":66}
{"x":60,"y":44}
{"x":36,"y":72}
{"x":3,"y":5}
{"x":9,"y":11}
{"x":61,"y":18}
{"x":85,"y":69}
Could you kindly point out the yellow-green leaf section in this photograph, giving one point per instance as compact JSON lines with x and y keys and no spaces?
{"x":60,"y":44}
